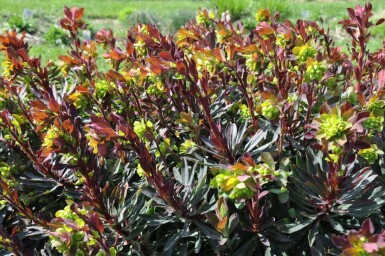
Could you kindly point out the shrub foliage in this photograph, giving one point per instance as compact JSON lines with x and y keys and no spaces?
{"x":215,"y":141}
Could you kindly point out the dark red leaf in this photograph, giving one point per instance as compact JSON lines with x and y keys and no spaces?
{"x":129,"y":48}
{"x":68,"y":126}
{"x":367,"y":228}
{"x":340,"y":242}
{"x":53,"y":105}
{"x":247,"y":158}
{"x":166,"y":56}
{"x":15,"y":230}
{"x":264,"y":29}
{"x":67,"y":12}
{"x":97,"y":222}
{"x":38,"y":104}
{"x":181,"y":67}
{"x":78,"y":13}
{"x":380,"y":21}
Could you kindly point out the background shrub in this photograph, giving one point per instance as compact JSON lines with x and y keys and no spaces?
{"x":123,"y":15}
{"x":284,"y":8}
{"x":56,"y":36}
{"x":178,"y":19}
{"x":141,"y":16}
{"x":20,"y":24}
{"x":237,"y":9}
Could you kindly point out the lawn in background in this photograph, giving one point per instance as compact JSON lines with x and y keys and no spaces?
{"x":119,"y":15}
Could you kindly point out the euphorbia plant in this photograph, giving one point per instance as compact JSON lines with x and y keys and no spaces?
{"x":361,"y":242}
{"x":217,"y":140}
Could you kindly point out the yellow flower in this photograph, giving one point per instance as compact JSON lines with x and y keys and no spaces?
{"x":269,"y":110}
{"x":7,"y":67}
{"x":51,"y":134}
{"x":140,"y":171}
{"x":187,"y":144}
{"x":262,"y":15}
{"x":79,"y":99}
{"x":229,"y":183}
{"x":370,"y":154}
{"x":304,"y":52}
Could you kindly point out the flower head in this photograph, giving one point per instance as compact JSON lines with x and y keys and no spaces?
{"x":245,"y":112}
{"x":140,"y":127}
{"x":370,"y":154}
{"x":66,"y":234}
{"x":269,"y":110}
{"x":187,"y":145}
{"x":333,"y":127}
{"x":79,"y":99}
{"x":204,"y":16}
{"x":375,"y":123}
{"x":314,"y":71}
{"x":262,"y":15}
{"x":304,"y":52}
{"x":102,"y":88}
{"x":49,"y":137}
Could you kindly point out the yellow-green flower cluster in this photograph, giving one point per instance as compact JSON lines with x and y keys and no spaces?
{"x":205,"y":61}
{"x":333,"y":128}
{"x":370,"y":154}
{"x":140,"y":127}
{"x":156,"y":88}
{"x":102,"y":88}
{"x":5,"y":172}
{"x":245,"y":112}
{"x":200,"y":19}
{"x":292,"y":97}
{"x":336,"y":153}
{"x":140,"y":171}
{"x":6,"y":64}
{"x":251,"y":61}
{"x":204,"y":17}
{"x":241,"y":190}
{"x":281,"y":40}
{"x":264,"y":170}
{"x":240,"y":183}
{"x":375,"y":123}
{"x":163,"y":146}
{"x":227,"y":181}
{"x":3,"y":97}
{"x":375,"y":104}
{"x":269,"y":110}
{"x":76,"y":235}
{"x":51,"y":134}
{"x":186,"y":145}
{"x":67,"y":213}
{"x":140,"y":47}
{"x":304,"y":52}
{"x":262,"y":15}
{"x":314,"y":71}
{"x":79,"y":100}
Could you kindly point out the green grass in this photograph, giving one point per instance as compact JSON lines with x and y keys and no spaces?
{"x":98,"y":14}
{"x":48,"y":51}
{"x":105,"y":13}
{"x":104,"y":9}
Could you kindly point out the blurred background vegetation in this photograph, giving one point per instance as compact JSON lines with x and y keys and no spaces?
{"x":39,"y":18}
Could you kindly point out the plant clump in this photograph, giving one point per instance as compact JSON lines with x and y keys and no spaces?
{"x":215,"y":141}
